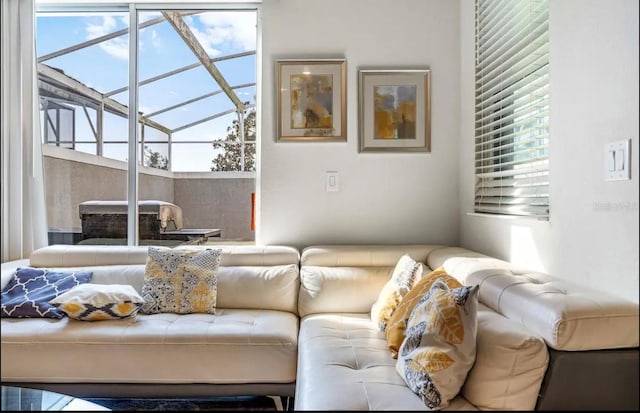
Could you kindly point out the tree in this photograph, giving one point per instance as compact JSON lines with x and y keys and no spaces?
{"x":155,"y":159}
{"x":229,"y":159}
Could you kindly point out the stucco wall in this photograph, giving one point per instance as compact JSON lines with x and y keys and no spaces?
{"x":207,"y":200}
{"x":223,"y":203}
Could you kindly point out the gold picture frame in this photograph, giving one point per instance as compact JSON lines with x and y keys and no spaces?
{"x":311,"y":100}
{"x":394,"y":110}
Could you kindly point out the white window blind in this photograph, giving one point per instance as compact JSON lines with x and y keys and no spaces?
{"x":512,"y":107}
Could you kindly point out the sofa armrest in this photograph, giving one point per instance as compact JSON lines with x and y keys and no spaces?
{"x":10,"y":267}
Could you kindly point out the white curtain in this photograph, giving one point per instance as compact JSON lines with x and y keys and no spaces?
{"x":24,"y":226}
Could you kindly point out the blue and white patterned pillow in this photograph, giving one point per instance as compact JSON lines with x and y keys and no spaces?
{"x":29,"y":291}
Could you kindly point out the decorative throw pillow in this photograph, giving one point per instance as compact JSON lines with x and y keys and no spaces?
{"x":94,"y":302}
{"x":398,"y":321}
{"x":405,"y":275}
{"x":440,"y":344}
{"x":28,"y":292}
{"x":180,"y":281}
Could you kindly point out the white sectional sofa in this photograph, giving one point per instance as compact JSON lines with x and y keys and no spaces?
{"x":292,"y":324}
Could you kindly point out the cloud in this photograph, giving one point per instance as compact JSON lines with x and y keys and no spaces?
{"x":229,"y":31}
{"x":155,"y":39}
{"x":218,"y":32}
{"x":145,"y":109}
{"x":117,"y":47}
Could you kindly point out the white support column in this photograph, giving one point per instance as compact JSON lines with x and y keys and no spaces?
{"x":241,"y":133}
{"x":169,"y":151}
{"x":132,"y":171}
{"x":100,"y":129}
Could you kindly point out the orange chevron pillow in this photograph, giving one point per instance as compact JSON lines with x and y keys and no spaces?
{"x":397,"y":323}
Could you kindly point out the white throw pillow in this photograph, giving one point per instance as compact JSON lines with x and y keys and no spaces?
{"x":94,"y":302}
{"x":440,"y":344}
{"x":405,"y":276}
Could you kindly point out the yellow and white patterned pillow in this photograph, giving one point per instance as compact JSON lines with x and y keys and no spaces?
{"x":397,"y":323}
{"x":95,"y":302}
{"x":405,"y":276}
{"x":180,"y":281}
{"x":440,"y":344}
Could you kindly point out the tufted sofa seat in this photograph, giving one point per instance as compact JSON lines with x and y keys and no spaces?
{"x":248,"y":347}
{"x":542,"y":343}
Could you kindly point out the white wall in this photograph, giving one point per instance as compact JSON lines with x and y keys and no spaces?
{"x":383,"y":198}
{"x":592,"y":235}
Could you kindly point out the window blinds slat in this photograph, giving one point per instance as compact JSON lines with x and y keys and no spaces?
{"x":513,"y":183}
{"x":514,"y":68}
{"x":522,"y":210}
{"x":531,"y":79}
{"x":493,"y":166}
{"x":507,"y":144}
{"x":508,"y":31}
{"x":515,"y":37}
{"x":517,"y":174}
{"x":493,"y":130}
{"x":515,"y":109}
{"x":504,"y":158}
{"x":498,"y":22}
{"x":524,"y":202}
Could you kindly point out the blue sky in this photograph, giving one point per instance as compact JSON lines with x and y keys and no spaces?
{"x":104,"y":67}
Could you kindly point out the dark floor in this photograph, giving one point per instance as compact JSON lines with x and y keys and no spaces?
{"x":246,"y":403}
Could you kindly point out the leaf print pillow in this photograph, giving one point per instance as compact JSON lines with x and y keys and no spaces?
{"x":439,"y":347}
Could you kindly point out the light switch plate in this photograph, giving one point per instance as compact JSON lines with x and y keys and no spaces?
{"x":332,"y":183}
{"x":617,"y":161}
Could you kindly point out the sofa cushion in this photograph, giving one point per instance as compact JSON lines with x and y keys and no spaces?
{"x":95,"y":302}
{"x":245,"y":287}
{"x":363,"y":255}
{"x":405,"y":276}
{"x":182,"y":282}
{"x":340,"y":289}
{"x":232,"y":346}
{"x":344,"y":364}
{"x":510,"y":364}
{"x":28,"y":292}
{"x":100,"y":255}
{"x":440,"y":344}
{"x":398,"y":321}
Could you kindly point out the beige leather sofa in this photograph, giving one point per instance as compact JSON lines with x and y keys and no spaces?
{"x":298,"y":324}
{"x":542,"y":343}
{"x":248,"y":348}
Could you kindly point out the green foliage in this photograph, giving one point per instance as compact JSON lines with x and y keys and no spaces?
{"x":155,"y":159}
{"x":229,"y":159}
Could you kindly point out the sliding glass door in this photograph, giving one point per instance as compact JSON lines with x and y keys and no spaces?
{"x":163,"y":116}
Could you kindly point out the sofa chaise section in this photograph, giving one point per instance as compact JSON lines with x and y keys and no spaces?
{"x":538,"y":340}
